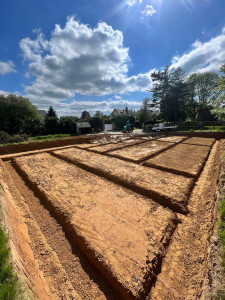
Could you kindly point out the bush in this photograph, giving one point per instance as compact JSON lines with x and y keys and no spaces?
{"x":5,"y":138}
{"x":148,"y":127}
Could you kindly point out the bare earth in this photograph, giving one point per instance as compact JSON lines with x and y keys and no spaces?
{"x":88,"y":225}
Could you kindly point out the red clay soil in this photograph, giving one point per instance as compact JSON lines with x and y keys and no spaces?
{"x":184,"y":159}
{"x":138,"y":153}
{"x":172,"y":139}
{"x":168,"y":189}
{"x":36,"y":273}
{"x":122,"y":234}
{"x":84,"y":225}
{"x":185,"y":268}
{"x":119,"y":145}
{"x":103,"y":141}
{"x":200,"y":141}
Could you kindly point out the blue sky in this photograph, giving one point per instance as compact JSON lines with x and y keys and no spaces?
{"x":99,"y":54}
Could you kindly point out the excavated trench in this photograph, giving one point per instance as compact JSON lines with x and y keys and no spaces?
{"x":101,"y":227}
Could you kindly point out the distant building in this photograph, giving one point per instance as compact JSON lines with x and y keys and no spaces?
{"x":42,"y":113}
{"x":83,"y":128}
{"x":116,"y":112}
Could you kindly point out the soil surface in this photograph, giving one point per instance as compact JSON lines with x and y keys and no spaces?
{"x":138,"y":153}
{"x":119,"y":145}
{"x":200,"y":141}
{"x":86,"y":225}
{"x":168,"y":189}
{"x":185,"y":159}
{"x":99,"y":217}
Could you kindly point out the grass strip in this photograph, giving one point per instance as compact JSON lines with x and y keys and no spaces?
{"x":8,"y":280}
{"x":10,"y":288}
{"x":222,"y":228}
{"x":220,"y":295}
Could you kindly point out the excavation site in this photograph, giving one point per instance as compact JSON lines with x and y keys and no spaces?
{"x":112,"y":217}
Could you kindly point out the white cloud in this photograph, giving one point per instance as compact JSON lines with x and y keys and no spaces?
{"x":133,"y":2}
{"x":79,"y":59}
{"x":203,"y":57}
{"x":148,"y":11}
{"x":76,"y":107}
{"x":6,"y":67}
{"x":5,"y":93}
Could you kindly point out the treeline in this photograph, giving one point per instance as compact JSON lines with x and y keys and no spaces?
{"x":176,"y":97}
{"x":19,"y":119}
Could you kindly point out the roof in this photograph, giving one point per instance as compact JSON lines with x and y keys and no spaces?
{"x":83,"y":125}
{"x":42,"y":112}
{"x":119,"y":111}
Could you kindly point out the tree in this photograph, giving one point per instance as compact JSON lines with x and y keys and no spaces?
{"x":15,"y":111}
{"x":98,"y":114}
{"x":170,"y":93}
{"x":145,"y":115}
{"x":204,"y":87}
{"x":85,"y":115}
{"x":96,"y":123}
{"x":51,"y":113}
{"x":51,"y":121}
{"x":67,"y":124}
{"x":161,"y":81}
{"x":219,"y":104}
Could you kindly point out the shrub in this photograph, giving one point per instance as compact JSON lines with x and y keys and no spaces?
{"x":148,"y":127}
{"x":5,"y":138}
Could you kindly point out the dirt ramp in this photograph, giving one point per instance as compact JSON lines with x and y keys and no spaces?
{"x":165,"y":188}
{"x":121,"y":233}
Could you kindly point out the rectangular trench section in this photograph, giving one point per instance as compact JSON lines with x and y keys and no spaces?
{"x":183,"y":159}
{"x":141,"y":152}
{"x":167,"y":189}
{"x":123,"y":235}
{"x":125,"y":144}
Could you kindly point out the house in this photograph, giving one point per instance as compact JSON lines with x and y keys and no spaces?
{"x":83,"y":127}
{"x":116,"y":112}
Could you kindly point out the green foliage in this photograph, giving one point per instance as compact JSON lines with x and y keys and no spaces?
{"x":51,"y":125}
{"x":51,"y":113}
{"x":219,"y":104}
{"x":121,"y":121}
{"x":9,"y":286}
{"x":179,"y":99}
{"x":6,"y":138}
{"x":15,"y":111}
{"x":51,"y":122}
{"x":49,"y":137}
{"x":204,"y":87}
{"x":34,"y":127}
{"x":85,"y":115}
{"x":67,"y":124}
{"x":98,"y":114}
{"x":148,"y":127}
{"x":170,"y":93}
{"x":143,"y":115}
{"x":96,"y":123}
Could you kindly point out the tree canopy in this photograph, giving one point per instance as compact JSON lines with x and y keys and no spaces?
{"x":15,"y":111}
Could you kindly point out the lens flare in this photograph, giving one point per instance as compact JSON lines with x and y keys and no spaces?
{"x":188,"y":3}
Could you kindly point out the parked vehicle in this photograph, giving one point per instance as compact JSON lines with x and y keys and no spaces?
{"x":163,"y":127}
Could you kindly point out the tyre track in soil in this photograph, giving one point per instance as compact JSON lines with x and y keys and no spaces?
{"x":85,"y":280}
